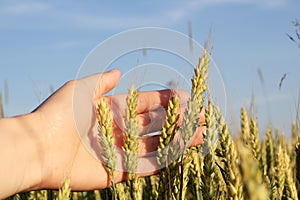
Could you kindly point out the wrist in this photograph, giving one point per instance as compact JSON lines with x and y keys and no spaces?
{"x":22,"y":149}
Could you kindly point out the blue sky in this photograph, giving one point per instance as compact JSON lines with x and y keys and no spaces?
{"x":43,"y":43}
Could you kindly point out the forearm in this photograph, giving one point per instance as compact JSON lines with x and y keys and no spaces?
{"x":20,"y":155}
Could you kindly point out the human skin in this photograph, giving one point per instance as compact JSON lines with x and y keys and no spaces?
{"x":41,"y":149}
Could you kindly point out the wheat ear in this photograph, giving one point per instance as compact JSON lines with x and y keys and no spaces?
{"x":255,"y":144}
{"x":251,"y":175}
{"x":106,"y":139}
{"x":194,"y":105}
{"x":229,"y":158}
{"x":209,"y":167}
{"x":65,"y":191}
{"x":269,"y":148}
{"x":131,"y":142}
{"x":289,"y":191}
{"x":277,"y":178}
{"x":244,"y":135}
{"x":167,"y":150}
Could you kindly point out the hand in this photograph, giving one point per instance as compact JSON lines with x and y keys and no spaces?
{"x":55,"y":136}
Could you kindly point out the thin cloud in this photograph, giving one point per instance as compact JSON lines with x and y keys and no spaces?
{"x":83,"y":19}
{"x":261,"y":100}
{"x":259,"y":3}
{"x":24,"y":8}
{"x":66,"y":44}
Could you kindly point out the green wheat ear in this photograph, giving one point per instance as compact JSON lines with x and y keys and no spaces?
{"x":209,"y":162}
{"x":131,"y":143}
{"x":64,"y":191}
{"x":106,"y":139}
{"x":131,"y":133}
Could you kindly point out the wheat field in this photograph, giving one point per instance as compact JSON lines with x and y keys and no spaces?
{"x":224,"y":167}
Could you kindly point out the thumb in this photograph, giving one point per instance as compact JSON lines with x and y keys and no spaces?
{"x":99,"y":84}
{"x":107,"y":81}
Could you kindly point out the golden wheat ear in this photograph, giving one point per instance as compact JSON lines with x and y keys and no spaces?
{"x":65,"y":191}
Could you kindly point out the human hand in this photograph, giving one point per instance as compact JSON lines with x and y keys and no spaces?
{"x":62,"y":134}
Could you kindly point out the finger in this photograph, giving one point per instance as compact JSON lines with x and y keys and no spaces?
{"x":147,"y":101}
{"x":147,"y":166}
{"x":148,"y":144}
{"x":99,"y":83}
{"x":197,"y":138}
{"x":107,"y":81}
{"x":152,"y":121}
{"x":147,"y":122}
